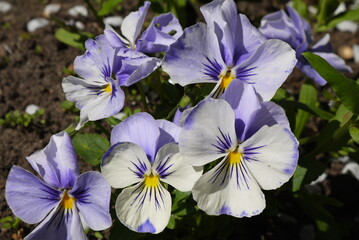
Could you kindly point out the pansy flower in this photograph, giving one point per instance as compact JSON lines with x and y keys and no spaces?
{"x":65,"y":200}
{"x":98,"y":92}
{"x":253,"y":144}
{"x":144,"y":154}
{"x":134,"y":48}
{"x":293,"y":29}
{"x":228,"y":48}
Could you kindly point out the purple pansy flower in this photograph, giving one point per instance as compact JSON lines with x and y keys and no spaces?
{"x":162,"y":31}
{"x":228,"y":48}
{"x":143,"y":154}
{"x":253,"y":140}
{"x":65,"y":200}
{"x":294,"y":30}
{"x":98,"y":93}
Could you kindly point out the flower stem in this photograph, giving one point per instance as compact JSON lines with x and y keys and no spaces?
{"x":143,"y":97}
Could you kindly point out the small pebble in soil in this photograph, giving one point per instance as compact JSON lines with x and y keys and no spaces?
{"x":5,"y":7}
{"x":356,"y":53}
{"x":78,"y":10}
{"x":36,"y":23}
{"x":114,"y":21}
{"x":348,"y":26}
{"x":79,"y":25}
{"x":51,"y":8}
{"x":346,"y":52}
{"x":31,"y":109}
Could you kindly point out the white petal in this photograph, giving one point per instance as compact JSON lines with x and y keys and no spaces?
{"x":208,"y":132}
{"x":172,"y":169}
{"x":124,"y":164}
{"x":229,"y":189}
{"x":144,"y":209}
{"x":271,"y":155}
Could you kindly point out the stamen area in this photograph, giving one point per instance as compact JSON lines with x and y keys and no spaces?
{"x":226,"y":79}
{"x":67,"y":202}
{"x":107,"y":88}
{"x":234,"y":157}
{"x":152,"y":180}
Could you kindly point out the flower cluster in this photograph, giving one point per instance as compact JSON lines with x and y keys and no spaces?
{"x":242,"y":138}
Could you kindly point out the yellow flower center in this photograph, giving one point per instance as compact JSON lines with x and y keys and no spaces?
{"x":234,"y":157}
{"x":107,"y":89}
{"x":152,"y":180}
{"x":67,"y":202}
{"x":226,"y":79}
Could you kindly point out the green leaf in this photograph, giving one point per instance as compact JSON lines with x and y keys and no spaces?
{"x":354,"y":133}
{"x":308,"y":108}
{"x":91,"y":147}
{"x":301,"y":7}
{"x":351,"y":15}
{"x":108,"y":7}
{"x":72,"y":39}
{"x":345,"y":88}
{"x":326,"y":10}
{"x":298,"y":177}
{"x":308,"y":96}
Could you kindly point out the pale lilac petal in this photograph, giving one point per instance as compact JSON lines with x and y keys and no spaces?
{"x":308,"y":70}
{"x":172,"y":168}
{"x":124,"y":164}
{"x":208,"y":132}
{"x":334,"y":60}
{"x":157,"y":36}
{"x":229,"y":189}
{"x":114,"y":39}
{"x":144,"y":209}
{"x":132,"y":24}
{"x":169,"y":132}
{"x":141,"y":129}
{"x":301,"y":25}
{"x":56,"y":163}
{"x":92,"y":194}
{"x":58,"y":226}
{"x":268,"y":67}
{"x":142,"y":70}
{"x":271,"y":155}
{"x":28,"y":197}
{"x":244,"y":101}
{"x":195,"y":57}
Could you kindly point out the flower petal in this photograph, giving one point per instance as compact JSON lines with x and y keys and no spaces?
{"x":210,"y":122}
{"x":28,"y":197}
{"x":271,"y":155}
{"x":229,"y":189}
{"x":92,"y":194}
{"x":59,"y":225}
{"x":124,"y":164}
{"x":197,"y":47}
{"x":141,"y":129}
{"x":169,"y":132}
{"x":268,"y":67}
{"x":132,"y":24}
{"x":56,"y":163}
{"x":144,"y":209}
{"x":157,"y":38}
{"x":172,"y":168}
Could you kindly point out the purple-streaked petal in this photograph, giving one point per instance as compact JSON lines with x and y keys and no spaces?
{"x":57,"y":162}
{"x":59,"y":225}
{"x":172,"y":169}
{"x":144,"y":209}
{"x":141,"y":129}
{"x":301,"y":25}
{"x":132,"y":24}
{"x":157,"y":36}
{"x":208,"y":132}
{"x":142,"y":70}
{"x":229,"y":189}
{"x":124,"y":164}
{"x":195,"y":57}
{"x":271,"y":155}
{"x":92,"y":194}
{"x":268,"y":67}
{"x":169,"y":132}
{"x":28,"y":197}
{"x":99,"y":103}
